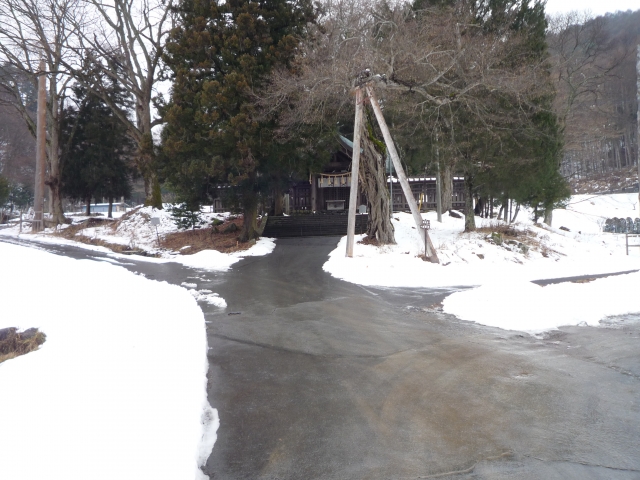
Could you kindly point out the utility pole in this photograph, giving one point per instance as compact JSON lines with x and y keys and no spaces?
{"x":355,"y":168}
{"x":638,"y":121}
{"x":41,"y":134}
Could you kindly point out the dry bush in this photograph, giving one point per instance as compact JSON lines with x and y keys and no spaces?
{"x":14,"y":343}
{"x":506,"y":230}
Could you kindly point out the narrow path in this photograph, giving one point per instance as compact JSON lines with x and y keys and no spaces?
{"x":316,"y":378}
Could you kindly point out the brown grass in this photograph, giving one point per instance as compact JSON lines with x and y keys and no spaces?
{"x":508,"y":232}
{"x":210,"y":238}
{"x":14,"y":343}
{"x":71,"y":233}
{"x":197,"y":240}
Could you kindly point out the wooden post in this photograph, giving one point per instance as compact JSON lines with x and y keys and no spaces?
{"x":41,"y":134}
{"x":404,"y":183}
{"x":355,"y":168}
{"x":638,"y":121}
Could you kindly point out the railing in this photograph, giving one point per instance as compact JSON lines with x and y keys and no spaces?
{"x":626,"y":238}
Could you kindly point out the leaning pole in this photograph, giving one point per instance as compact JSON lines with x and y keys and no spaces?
{"x":355,"y":168}
{"x":404,"y":183}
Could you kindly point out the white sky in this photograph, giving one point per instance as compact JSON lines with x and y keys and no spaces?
{"x":597,"y":7}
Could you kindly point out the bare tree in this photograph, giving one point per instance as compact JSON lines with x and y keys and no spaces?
{"x":123,"y":41}
{"x":31,"y":30}
{"x":600,"y":125}
{"x":17,"y":152}
{"x":438,"y":66}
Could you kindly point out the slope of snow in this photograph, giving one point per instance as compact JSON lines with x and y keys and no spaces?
{"x":114,"y":392}
{"x":473,"y":259}
{"x":136,"y":232}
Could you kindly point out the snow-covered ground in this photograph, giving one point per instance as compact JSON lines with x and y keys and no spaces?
{"x":118,"y":390}
{"x":136,"y":232}
{"x":497,"y":269}
{"x":506,"y":297}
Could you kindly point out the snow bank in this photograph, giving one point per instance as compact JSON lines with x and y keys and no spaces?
{"x":472,"y":259}
{"x":136,"y":232}
{"x":214,"y":260}
{"x":528,"y":307}
{"x":115,"y":392}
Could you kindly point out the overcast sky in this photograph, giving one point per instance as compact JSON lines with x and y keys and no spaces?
{"x":597,"y":7}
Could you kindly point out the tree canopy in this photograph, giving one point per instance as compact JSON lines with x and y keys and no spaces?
{"x":219,"y":55}
{"x":96,"y":148}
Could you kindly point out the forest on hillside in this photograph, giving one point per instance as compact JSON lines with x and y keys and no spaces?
{"x":601,"y":128}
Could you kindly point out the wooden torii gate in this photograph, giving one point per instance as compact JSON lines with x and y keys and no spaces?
{"x":364,"y":86}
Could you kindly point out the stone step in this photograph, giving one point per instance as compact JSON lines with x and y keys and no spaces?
{"x":312,"y":225}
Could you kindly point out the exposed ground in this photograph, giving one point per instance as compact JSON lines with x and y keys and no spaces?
{"x":211,"y":238}
{"x":14,"y":343}
{"x":218,"y":234}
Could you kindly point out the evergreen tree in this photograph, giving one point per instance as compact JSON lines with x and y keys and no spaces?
{"x":220,"y":54}
{"x":96,"y":149}
{"x":506,"y":143}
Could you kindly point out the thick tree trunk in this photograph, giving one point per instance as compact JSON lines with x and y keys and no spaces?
{"x":446,"y":187}
{"x":505,"y":209}
{"x":146,"y":157}
{"x":110,"y":211}
{"x":277,"y":201}
{"x":250,"y":211}
{"x":515,"y":215}
{"x":479,"y":209}
{"x":56,"y":212}
{"x":373,"y":181}
{"x":88,"y":207}
{"x":469,"y":214}
{"x":548,"y":215}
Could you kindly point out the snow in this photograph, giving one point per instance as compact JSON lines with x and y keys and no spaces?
{"x":505,"y":296}
{"x":214,"y":260}
{"x":116,"y":392}
{"x":137,"y":233}
{"x":536,"y":309}
{"x":466,"y":260}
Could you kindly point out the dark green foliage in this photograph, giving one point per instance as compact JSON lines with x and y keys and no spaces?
{"x":185,"y":216}
{"x":20,"y":196}
{"x":96,"y":149}
{"x":219,"y":55}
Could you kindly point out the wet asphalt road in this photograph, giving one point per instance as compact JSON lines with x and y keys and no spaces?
{"x":315,"y":378}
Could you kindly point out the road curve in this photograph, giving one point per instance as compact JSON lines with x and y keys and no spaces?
{"x":316,"y":378}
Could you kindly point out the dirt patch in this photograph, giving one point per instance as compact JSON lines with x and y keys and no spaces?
{"x":14,"y":343}
{"x":370,"y":241}
{"x":212,"y":238}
